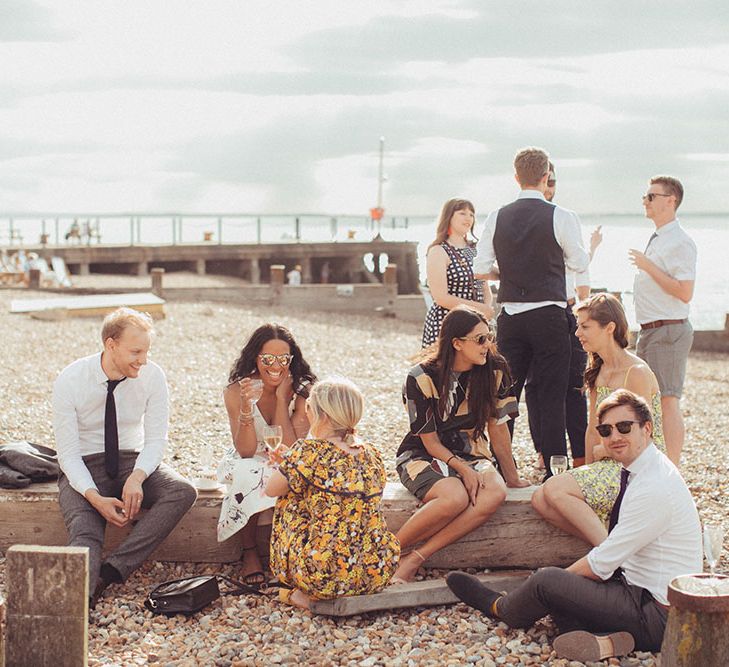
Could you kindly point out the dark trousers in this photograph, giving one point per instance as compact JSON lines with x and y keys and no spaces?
{"x":167,"y":497}
{"x":575,"y":399}
{"x":539,"y":340}
{"x":578,"y":603}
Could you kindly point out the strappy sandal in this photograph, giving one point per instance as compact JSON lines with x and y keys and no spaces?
{"x":397,"y":581}
{"x":257,"y":578}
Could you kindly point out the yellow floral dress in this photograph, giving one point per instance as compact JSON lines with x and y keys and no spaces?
{"x":329,"y":537}
{"x":600,"y":481}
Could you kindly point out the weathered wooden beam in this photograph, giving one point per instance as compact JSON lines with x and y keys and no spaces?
{"x":415,"y":594}
{"x":514,"y":537}
{"x":47,"y":609}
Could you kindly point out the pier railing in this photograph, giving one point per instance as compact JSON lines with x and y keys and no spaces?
{"x":131,"y":229}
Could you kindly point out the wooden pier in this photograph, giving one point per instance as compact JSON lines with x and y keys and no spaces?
{"x":333,"y":262}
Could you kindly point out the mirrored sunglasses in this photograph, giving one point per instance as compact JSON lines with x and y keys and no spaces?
{"x":623,"y":427}
{"x":271,"y":359}
{"x":481,"y":339}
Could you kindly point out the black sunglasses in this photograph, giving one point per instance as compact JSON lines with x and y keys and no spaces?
{"x":551,"y":183}
{"x":481,"y":339}
{"x":652,"y":195}
{"x":623,"y":427}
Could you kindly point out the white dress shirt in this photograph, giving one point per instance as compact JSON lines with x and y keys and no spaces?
{"x":79,"y":404}
{"x":658,"y":534}
{"x":567,"y":233}
{"x":674,"y":252}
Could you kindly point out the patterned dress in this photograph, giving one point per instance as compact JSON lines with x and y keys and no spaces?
{"x":600,"y":481}
{"x":454,"y":426}
{"x":460,"y":283}
{"x":329,"y":537}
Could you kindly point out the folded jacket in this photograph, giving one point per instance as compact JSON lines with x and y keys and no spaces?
{"x":12,"y":479}
{"x":37,"y":462}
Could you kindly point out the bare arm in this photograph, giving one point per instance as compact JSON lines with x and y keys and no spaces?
{"x":582,"y":567}
{"x":244,"y":433}
{"x":501,"y":442}
{"x":680,"y":289}
{"x":277,"y":485}
{"x":470,"y":478}
{"x":294,"y":426}
{"x":437,"y":266}
{"x":592,"y":440}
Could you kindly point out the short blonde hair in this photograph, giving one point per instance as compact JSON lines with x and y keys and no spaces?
{"x":341,"y":401}
{"x":115,"y":323}
{"x":531,"y":164}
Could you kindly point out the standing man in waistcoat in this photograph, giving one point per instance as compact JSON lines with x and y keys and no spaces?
{"x":662,"y":291}
{"x":534,"y":241}
{"x":110,"y":418}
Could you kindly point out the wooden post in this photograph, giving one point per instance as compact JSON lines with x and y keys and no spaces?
{"x":34,"y":276}
{"x":696,"y":632}
{"x":48,"y":606}
{"x":2,"y":631}
{"x":200,"y":267}
{"x":277,"y":282}
{"x":255,"y":271}
{"x":157,"y":276}
{"x":306,"y":270}
{"x":142,"y":269}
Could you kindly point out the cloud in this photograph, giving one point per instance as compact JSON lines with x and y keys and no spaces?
{"x":27,"y":21}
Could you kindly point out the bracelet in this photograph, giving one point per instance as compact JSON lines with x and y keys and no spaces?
{"x":245,"y":418}
{"x":453,"y":456}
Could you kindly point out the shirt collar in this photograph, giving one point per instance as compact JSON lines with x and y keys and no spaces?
{"x":97,"y":370}
{"x":644,"y":460}
{"x":667,"y":227}
{"x":531,"y":194}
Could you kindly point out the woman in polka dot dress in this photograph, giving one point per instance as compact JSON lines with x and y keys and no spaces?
{"x":450,"y":268}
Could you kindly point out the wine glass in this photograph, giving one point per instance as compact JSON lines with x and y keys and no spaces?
{"x":255,"y":387}
{"x":713,"y":542}
{"x":558,"y":464}
{"x":272,"y":437}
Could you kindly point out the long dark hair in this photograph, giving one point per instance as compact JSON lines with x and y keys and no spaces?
{"x":603,"y":308}
{"x":449,"y":208}
{"x":246,"y":365}
{"x":482,"y":390}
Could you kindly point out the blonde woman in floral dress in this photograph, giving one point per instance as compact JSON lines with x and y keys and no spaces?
{"x":329,"y":537}
{"x":579,"y":501}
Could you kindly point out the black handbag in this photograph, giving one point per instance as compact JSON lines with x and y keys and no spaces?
{"x":191,"y":594}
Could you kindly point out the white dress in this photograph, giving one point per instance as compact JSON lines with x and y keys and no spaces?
{"x":246,"y":479}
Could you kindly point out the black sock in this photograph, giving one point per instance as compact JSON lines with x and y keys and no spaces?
{"x":110,"y":575}
{"x":470,"y":590}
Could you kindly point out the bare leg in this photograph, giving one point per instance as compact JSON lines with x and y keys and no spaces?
{"x":561,"y":502}
{"x":446,"y":499}
{"x":252,"y":568}
{"x":487,"y":502}
{"x":673,"y":427}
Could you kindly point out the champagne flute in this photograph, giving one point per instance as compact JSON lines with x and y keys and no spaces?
{"x":713,"y":542}
{"x":558,"y":464}
{"x":272,"y":437}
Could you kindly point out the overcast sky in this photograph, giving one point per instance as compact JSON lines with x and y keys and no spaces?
{"x":278,"y":106}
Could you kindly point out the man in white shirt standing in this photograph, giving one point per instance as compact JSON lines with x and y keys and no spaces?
{"x":534,"y":241}
{"x":663,"y":288}
{"x":110,"y":419}
{"x":619,"y":589}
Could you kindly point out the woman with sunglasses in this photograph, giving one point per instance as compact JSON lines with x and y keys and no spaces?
{"x":579,"y":501}
{"x":267,"y":386}
{"x":458,"y":399}
{"x":449,"y":266}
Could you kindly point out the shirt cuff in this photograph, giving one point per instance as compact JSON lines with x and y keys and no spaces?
{"x":596,"y":567}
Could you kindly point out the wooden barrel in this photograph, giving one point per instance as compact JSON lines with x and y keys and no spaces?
{"x":697,"y":632}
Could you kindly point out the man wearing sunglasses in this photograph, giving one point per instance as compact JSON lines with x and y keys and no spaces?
{"x":619,"y":589}
{"x":662,"y":291}
{"x":534,"y":242}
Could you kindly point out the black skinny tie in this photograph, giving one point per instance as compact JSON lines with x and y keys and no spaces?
{"x":111,"y":434}
{"x":624,"y":473}
{"x":650,"y":240}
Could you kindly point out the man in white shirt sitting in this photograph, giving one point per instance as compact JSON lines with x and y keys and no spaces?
{"x":619,"y":588}
{"x":110,"y":418}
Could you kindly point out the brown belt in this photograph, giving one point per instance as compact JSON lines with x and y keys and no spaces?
{"x":661,"y":323}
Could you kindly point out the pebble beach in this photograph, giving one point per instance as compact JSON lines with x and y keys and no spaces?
{"x":196,"y":345}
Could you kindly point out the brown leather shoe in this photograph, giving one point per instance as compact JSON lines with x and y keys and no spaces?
{"x":586,"y":647}
{"x":99,"y":589}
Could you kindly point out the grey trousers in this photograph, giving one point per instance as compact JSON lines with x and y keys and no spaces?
{"x":578,"y":603}
{"x":167,"y":497}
